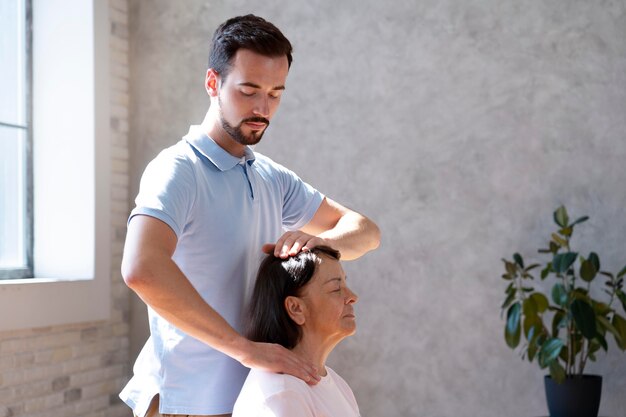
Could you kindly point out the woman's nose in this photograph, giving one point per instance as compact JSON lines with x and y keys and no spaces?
{"x":351,"y":296}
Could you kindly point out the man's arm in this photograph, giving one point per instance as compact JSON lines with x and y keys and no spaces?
{"x":148,"y":269}
{"x":334,"y":225}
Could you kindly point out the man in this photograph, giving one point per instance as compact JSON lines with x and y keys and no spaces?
{"x":205,"y":207}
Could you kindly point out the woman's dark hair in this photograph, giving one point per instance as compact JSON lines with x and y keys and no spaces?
{"x":247,"y":32}
{"x":267,"y":318}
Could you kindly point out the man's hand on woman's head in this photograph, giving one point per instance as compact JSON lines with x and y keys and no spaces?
{"x":291,"y":243}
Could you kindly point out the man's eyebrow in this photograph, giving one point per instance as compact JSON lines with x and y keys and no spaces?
{"x":253,"y":85}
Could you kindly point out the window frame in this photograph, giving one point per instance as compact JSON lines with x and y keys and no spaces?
{"x":72,"y":282}
{"x":28,"y":270}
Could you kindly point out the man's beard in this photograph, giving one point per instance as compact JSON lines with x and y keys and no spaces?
{"x":237,"y":134}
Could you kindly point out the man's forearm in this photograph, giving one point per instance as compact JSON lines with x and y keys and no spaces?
{"x":353,"y":235}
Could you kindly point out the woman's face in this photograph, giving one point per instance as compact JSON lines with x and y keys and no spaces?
{"x":329,"y":302}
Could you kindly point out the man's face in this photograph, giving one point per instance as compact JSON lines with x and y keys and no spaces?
{"x":250,"y":94}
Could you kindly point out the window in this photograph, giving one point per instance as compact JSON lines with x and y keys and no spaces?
{"x":71,"y":152}
{"x":16,"y":221}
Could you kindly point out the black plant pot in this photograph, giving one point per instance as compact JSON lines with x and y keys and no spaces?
{"x":577,"y":396}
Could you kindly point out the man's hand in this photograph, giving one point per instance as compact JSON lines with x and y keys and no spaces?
{"x":275,"y":358}
{"x":291,"y":243}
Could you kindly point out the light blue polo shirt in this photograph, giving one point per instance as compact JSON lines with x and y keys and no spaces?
{"x":222,"y":209}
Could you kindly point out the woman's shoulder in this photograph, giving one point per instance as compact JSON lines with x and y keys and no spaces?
{"x":271,"y":383}
{"x":276,"y":392}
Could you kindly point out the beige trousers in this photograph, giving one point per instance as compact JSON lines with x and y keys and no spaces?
{"x":153,"y":411}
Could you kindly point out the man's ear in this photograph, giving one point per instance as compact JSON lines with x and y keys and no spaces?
{"x":296,"y":309}
{"x":212,"y":82}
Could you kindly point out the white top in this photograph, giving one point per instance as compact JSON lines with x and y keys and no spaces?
{"x":222,"y":213}
{"x":265,"y":394}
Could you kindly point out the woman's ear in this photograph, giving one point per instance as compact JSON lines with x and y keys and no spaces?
{"x":295,"y":308}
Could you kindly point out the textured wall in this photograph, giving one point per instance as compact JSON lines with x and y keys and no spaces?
{"x":77,"y":370}
{"x":459,"y":127}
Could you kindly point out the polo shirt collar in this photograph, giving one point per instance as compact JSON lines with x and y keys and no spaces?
{"x":214,"y":152}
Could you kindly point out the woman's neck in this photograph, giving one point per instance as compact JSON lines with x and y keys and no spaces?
{"x":314,"y":351}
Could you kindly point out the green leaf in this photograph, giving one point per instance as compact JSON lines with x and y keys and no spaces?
{"x":622,"y":298}
{"x":607,"y":274}
{"x":554,"y":248}
{"x":560,"y":216}
{"x":564,"y":355}
{"x":518,"y":260}
{"x":604,"y":323}
{"x":532,"y":349}
{"x":510,"y":268}
{"x":622,"y":272}
{"x":550,"y":351}
{"x":594,"y":346}
{"x":619,"y":323}
{"x":563,"y":261}
{"x":559,"y":320}
{"x":532,"y":325}
{"x":602,"y":342}
{"x":546,"y":271}
{"x":559,"y":240}
{"x":557,"y":372}
{"x":595,"y":259}
{"x":600,"y":308}
{"x":588,"y":271}
{"x":512,"y":330}
{"x":584,"y":317}
{"x":530,"y":307}
{"x":566,"y":231}
{"x":580,"y":220}
{"x":559,"y":295}
{"x":541,"y":301}
{"x":509,"y":299}
{"x":531,"y":267}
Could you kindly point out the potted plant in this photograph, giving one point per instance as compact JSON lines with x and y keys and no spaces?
{"x":565,"y":319}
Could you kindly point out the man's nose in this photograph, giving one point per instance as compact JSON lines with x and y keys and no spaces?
{"x":262,"y":107}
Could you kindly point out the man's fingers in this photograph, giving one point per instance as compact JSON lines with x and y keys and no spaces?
{"x":291,"y":243}
{"x":304,"y":371}
{"x":268,"y":248}
{"x":276,"y":358}
{"x":288,"y":246}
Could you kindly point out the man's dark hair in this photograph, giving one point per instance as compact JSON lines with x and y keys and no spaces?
{"x":267,"y":317}
{"x":247,"y":32}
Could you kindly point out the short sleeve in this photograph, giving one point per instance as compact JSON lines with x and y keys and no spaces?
{"x":287,"y":404}
{"x":300,"y":200}
{"x":167,"y":190}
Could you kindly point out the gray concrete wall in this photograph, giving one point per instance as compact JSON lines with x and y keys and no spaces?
{"x":459,"y":127}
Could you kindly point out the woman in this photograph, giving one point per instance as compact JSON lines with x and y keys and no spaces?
{"x":304,"y":304}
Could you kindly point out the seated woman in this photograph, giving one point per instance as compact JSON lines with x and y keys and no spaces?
{"x":304,"y":304}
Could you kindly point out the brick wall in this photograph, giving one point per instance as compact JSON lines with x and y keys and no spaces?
{"x":78,"y":370}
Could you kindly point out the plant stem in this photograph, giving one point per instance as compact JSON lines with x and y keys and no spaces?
{"x":581,"y":363}
{"x":570,"y":349}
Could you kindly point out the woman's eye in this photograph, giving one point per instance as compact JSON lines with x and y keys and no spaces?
{"x":247,"y":93}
